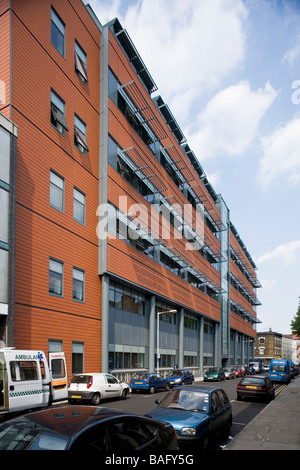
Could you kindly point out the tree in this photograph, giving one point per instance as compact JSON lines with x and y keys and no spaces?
{"x":295,"y":323}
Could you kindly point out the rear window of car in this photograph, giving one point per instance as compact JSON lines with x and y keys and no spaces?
{"x":253,"y":380}
{"x":140,"y":377}
{"x":81,"y":379}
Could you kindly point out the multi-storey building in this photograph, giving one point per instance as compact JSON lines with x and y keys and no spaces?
{"x":122,"y":244}
{"x":268,"y":345}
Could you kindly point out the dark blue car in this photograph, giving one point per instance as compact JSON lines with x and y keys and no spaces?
{"x":198,"y":415}
{"x":148,"y":381}
{"x":180,"y":377}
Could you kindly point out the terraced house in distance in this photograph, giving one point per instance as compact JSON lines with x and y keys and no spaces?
{"x":125,"y":256}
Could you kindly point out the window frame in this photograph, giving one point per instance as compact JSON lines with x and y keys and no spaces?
{"x":80,"y":129}
{"x":76,"y":190}
{"x":78,"y":270}
{"x":52,"y":184}
{"x":60,"y":26}
{"x":80,"y":62}
{"x":57,"y":112}
{"x":62,"y":277}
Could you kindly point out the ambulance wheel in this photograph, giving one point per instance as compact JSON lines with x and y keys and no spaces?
{"x":96,"y":399}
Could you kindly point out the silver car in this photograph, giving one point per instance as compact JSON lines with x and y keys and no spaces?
{"x":229,"y":373}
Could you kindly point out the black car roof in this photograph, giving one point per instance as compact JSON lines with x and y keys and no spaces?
{"x":66,"y":420}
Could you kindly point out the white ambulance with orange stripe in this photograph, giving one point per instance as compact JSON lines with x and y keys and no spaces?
{"x":28,"y":380}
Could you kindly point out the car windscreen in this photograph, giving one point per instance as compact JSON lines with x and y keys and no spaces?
{"x":187,"y":400}
{"x":174,"y":372}
{"x":81,"y":379}
{"x":253,"y":380}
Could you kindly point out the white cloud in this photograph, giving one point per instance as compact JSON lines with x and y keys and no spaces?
{"x":187,"y":46}
{"x":281,"y":155}
{"x":292,"y":54}
{"x":230,"y":121}
{"x":287,"y":254}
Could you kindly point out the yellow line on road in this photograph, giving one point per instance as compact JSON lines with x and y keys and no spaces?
{"x":280,"y":389}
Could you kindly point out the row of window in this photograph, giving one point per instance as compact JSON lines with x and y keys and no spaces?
{"x":129,"y":360}
{"x":58,"y":120}
{"x":126,"y":299}
{"x":56,"y":280}
{"x":57,"y":193}
{"x":58,"y":39}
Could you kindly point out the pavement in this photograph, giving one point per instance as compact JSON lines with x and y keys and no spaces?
{"x":277,"y":427}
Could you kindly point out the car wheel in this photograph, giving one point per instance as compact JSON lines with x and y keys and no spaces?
{"x":239,"y":398}
{"x":124,"y":394}
{"x":96,"y":399}
{"x":151,"y":390}
{"x":167,"y":387}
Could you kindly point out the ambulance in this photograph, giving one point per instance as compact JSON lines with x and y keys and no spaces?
{"x":28,"y":380}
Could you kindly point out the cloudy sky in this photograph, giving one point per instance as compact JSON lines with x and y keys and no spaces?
{"x":230,"y":72}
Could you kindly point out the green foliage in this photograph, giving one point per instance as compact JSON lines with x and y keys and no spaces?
{"x":295,"y":323}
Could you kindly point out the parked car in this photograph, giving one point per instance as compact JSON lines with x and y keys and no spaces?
{"x":86,"y":428}
{"x":95,"y":387}
{"x":257,"y":386}
{"x":180,"y":377}
{"x":229,"y":373}
{"x":250,"y":370}
{"x":239,"y":371}
{"x":198,"y":415}
{"x":148,"y":381}
{"x":214,"y":374}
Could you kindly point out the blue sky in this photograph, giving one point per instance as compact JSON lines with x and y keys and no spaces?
{"x":230,"y":72}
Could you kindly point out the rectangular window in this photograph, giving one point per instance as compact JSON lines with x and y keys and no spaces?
{"x":78,"y":285}
{"x":56,"y":269}
{"x":77,"y":358}
{"x":80,"y":63}
{"x":57,"y":184}
{"x":57,"y":32}
{"x":58,"y":113}
{"x":79,"y":206}
{"x":24,"y":370}
{"x":80,"y":135}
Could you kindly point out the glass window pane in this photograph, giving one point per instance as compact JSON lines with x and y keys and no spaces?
{"x":57,"y":33}
{"x":78,"y":285}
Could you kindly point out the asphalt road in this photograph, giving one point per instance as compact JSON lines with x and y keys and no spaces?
{"x":243,"y":411}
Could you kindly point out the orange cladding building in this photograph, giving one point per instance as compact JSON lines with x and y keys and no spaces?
{"x":115,"y":221}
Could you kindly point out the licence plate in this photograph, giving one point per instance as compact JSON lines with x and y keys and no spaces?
{"x":138,"y":382}
{"x":251,"y":386}
{"x":75,"y":396}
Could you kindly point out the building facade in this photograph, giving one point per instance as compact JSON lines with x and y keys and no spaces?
{"x":268,"y":345}
{"x":122,"y":244}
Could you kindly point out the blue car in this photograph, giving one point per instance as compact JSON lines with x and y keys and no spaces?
{"x":180,"y":377}
{"x":198,"y":415}
{"x":148,"y":381}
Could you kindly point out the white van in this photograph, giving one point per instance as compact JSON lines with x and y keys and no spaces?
{"x":28,"y":381}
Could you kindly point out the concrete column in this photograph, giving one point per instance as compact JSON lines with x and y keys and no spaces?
{"x":152,"y":334}
{"x":201,"y":333}
{"x":105,"y":324}
{"x":181,"y":339}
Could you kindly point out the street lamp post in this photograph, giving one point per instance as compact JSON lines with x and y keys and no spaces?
{"x":167,"y":312}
